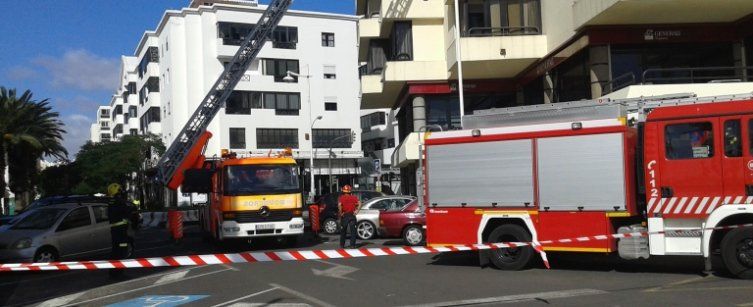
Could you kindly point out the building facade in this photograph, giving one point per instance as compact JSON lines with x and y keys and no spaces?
{"x":524,"y":52}
{"x":379,"y":132}
{"x":175,"y":65}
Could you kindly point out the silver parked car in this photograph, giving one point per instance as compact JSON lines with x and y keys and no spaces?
{"x":56,"y":232}
{"x":368,"y":217}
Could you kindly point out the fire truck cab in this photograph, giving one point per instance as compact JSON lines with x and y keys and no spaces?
{"x":674,"y":167}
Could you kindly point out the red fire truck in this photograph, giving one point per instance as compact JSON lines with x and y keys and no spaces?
{"x":592,"y":168}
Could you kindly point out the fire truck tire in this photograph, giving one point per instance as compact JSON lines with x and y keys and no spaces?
{"x":510,"y":259}
{"x":737,"y":252}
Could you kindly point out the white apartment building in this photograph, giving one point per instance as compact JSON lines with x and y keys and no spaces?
{"x":101,"y":129}
{"x":176,"y":64}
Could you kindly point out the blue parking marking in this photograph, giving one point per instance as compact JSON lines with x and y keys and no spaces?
{"x":159,"y":301}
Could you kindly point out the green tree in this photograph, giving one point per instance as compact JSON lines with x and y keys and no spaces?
{"x":114,"y":162}
{"x":29,"y":130}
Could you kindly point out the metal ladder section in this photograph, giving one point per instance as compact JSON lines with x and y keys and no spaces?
{"x":221,"y":90}
{"x":586,"y":110}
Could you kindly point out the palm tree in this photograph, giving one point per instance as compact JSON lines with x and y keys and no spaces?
{"x":29,"y":129}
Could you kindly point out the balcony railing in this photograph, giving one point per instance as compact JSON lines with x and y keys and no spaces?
{"x":284,"y":45}
{"x":501,"y":31}
{"x":682,"y":75}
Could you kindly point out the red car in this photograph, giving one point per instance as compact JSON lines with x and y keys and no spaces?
{"x":407,"y":223}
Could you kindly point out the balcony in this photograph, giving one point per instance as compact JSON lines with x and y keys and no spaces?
{"x":618,"y":12}
{"x":490,"y":57}
{"x":407,"y":152}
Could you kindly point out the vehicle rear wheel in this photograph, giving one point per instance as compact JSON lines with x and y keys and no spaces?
{"x":737,"y":252}
{"x":46,"y":254}
{"x":329,"y":226}
{"x":365,"y":230}
{"x":510,"y":259}
{"x":413,"y":235}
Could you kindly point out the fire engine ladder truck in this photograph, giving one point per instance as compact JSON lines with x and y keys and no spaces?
{"x":197,"y":124}
{"x":635,"y":109}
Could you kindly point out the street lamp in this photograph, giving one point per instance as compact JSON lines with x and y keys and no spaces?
{"x":329,"y":159}
{"x":291,"y":77}
{"x":420,"y":179}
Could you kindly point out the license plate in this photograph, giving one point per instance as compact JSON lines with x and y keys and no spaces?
{"x":265,"y":226}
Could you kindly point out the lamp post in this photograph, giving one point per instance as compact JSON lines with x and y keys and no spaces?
{"x":291,"y":77}
{"x":420,"y":178}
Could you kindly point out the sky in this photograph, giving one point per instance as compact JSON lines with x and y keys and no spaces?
{"x":69,"y":51}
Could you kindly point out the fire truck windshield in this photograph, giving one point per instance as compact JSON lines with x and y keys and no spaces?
{"x":261,"y":179}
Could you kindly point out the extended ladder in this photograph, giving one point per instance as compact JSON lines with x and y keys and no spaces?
{"x":219,"y":93}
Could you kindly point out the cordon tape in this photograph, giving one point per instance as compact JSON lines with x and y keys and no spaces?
{"x":249,"y":257}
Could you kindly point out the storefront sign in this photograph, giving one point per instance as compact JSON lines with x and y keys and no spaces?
{"x":661,"y":35}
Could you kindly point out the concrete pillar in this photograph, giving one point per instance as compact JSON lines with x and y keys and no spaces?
{"x":548,"y":88}
{"x":419,"y":112}
{"x":599,"y":70}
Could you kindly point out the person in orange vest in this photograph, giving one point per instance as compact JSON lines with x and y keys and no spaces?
{"x":347,"y":206}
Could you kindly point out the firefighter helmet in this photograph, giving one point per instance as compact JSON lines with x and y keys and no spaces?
{"x":113,"y":189}
{"x":347,"y":188}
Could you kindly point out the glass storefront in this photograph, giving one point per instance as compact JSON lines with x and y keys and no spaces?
{"x":673,"y":63}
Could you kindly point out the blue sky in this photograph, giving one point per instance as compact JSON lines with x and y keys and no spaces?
{"x":69,"y":51}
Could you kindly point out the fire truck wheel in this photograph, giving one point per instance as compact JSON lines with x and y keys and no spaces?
{"x":737,"y":252}
{"x":510,"y":259}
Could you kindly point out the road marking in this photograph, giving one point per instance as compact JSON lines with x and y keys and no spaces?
{"x":745,"y":305}
{"x":517,"y":298}
{"x":159,"y":300}
{"x":231,"y":267}
{"x":61,"y":300}
{"x":303,"y":296}
{"x":145,"y":287}
{"x":337,"y":271}
{"x":171,"y":277}
{"x":245,"y":297}
{"x":270,"y":305}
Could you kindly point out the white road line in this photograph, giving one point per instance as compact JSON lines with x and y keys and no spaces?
{"x":517,"y":298}
{"x":171,"y":277}
{"x":303,"y":296}
{"x":231,"y":267}
{"x":61,"y":300}
{"x":146,"y":287}
{"x":245,"y":297}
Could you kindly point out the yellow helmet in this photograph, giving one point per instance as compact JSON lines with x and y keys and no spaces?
{"x":113,"y":189}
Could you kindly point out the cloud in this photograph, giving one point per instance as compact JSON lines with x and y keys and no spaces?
{"x":21,"y":73}
{"x":77,"y":128}
{"x":80,"y":104}
{"x":80,"y":69}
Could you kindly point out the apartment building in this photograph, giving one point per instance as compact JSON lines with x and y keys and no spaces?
{"x":379,"y":132}
{"x":523,"y":52}
{"x":315,"y":113}
{"x":101,"y":129}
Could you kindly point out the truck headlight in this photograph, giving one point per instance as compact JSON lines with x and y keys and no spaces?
{"x":23,"y":243}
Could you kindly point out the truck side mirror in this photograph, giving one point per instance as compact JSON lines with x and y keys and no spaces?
{"x":197,"y":180}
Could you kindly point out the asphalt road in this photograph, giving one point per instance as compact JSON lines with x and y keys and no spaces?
{"x":429,"y":280}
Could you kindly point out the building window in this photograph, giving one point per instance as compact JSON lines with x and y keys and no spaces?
{"x":279,"y":68}
{"x":330,"y":72}
{"x":402,"y":41}
{"x":500,"y":17}
{"x":689,"y":141}
{"x":104,"y":125}
{"x":151,"y":56}
{"x":572,"y":79}
{"x":241,"y":102}
{"x":104,"y":136}
{"x":276,"y":138}
{"x":134,"y":131}
{"x":390,"y":143}
{"x":443,"y":111}
{"x":337,"y":138}
{"x":377,"y":56}
{"x":233,"y":33}
{"x":328,"y":39}
{"x":330,"y":106}
{"x":104,"y":113}
{"x":238,"y":138}
{"x":151,"y":86}
{"x":132,"y":111}
{"x":150,"y":116}
{"x":283,"y":103}
{"x":285,"y":37}
{"x":118,"y":129}
{"x":373,"y":119}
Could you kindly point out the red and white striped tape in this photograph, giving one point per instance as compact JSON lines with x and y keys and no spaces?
{"x":249,"y":257}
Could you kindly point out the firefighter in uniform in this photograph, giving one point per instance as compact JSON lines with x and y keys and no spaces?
{"x":119,"y":214}
{"x":347,"y":205}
